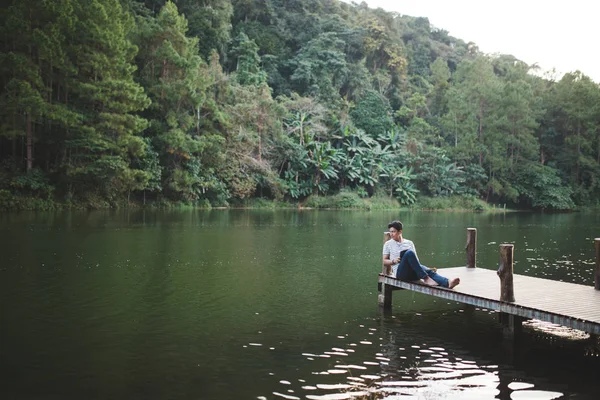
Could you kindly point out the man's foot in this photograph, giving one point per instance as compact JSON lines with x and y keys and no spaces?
{"x":429,"y":282}
{"x":453,"y":283}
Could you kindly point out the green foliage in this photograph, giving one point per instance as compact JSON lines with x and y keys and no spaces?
{"x":34,"y":183}
{"x":372,"y":114}
{"x":178,"y":82}
{"x":110,"y":102}
{"x":474,"y":179}
{"x":360,"y":161}
{"x":256,"y":129}
{"x":210,"y":22}
{"x":451,"y":203}
{"x":343,"y":200}
{"x":406,"y":192}
{"x":262,"y":203}
{"x":105,"y":97}
{"x":440,"y":77}
{"x":541,"y":187}
{"x":320,"y":68}
{"x":437,"y":175}
{"x":149,"y":163}
{"x":248,"y":71}
{"x":10,"y":202}
{"x":574,"y":107}
{"x":353,"y":200}
{"x":381,"y":201}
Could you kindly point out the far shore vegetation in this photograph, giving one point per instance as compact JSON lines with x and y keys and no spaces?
{"x":316,"y":104}
{"x":345,"y":200}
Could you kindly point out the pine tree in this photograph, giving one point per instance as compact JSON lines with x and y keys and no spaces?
{"x":105,"y":96}
{"x":177,"y":80}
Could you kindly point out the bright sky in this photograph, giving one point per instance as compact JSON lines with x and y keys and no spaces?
{"x":560,"y":34}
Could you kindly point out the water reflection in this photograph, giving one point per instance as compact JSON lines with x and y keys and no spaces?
{"x":240,"y":304}
{"x":397,"y":357}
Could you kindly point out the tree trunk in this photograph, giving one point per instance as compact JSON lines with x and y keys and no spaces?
{"x":198,"y":120}
{"x":578,"y":151}
{"x":455,"y":132}
{"x":29,"y":144}
{"x":542,"y":157}
{"x":480,"y":131}
{"x":259,"y":145}
{"x":14,"y":153}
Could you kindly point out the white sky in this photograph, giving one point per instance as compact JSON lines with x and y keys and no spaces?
{"x":560,"y":34}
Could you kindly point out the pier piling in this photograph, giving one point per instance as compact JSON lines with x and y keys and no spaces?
{"x":385,"y":291}
{"x":471,"y":247}
{"x":505,"y":272}
{"x":597,"y":273}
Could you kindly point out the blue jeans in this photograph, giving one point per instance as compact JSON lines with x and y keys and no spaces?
{"x":410,"y":269}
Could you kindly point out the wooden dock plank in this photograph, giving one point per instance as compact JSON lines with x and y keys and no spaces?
{"x":564,"y":303}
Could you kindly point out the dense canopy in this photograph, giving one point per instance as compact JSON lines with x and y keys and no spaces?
{"x":111,"y":102}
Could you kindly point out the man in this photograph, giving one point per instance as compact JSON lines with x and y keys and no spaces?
{"x":401,"y":254}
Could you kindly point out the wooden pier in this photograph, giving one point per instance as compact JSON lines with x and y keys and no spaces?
{"x":517,"y":297}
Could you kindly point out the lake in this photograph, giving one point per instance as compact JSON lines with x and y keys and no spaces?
{"x":253,"y":304}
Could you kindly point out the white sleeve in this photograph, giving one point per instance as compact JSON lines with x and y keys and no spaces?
{"x":386,"y":249}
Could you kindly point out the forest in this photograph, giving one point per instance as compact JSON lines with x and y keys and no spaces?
{"x":217,"y":103}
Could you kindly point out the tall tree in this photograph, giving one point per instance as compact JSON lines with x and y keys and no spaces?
{"x":373,"y":114}
{"x":575,"y":100}
{"x":320,"y":68}
{"x":210,"y":22}
{"x":440,"y":78}
{"x":177,"y":80}
{"x":248,"y":70}
{"x":34,"y":66}
{"x":104,"y":94}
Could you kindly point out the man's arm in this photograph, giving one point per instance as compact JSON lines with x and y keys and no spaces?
{"x":386,"y":256}
{"x":387,"y":261}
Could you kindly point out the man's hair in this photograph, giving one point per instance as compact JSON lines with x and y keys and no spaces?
{"x":396,"y":225}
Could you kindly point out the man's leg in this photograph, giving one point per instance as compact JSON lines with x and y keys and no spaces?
{"x":440,"y":280}
{"x":409,"y":268}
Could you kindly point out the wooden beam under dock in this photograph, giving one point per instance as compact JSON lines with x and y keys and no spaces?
{"x":568,"y":304}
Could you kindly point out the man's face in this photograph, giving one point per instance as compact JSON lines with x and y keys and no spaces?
{"x":395,"y":234}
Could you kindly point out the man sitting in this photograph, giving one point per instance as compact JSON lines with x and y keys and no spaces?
{"x":401,"y":254}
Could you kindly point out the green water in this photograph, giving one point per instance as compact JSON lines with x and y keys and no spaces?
{"x":273,"y":304}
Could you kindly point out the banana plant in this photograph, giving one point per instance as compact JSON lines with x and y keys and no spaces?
{"x":406,"y":193}
{"x":322,"y":157}
{"x":393,"y":139}
{"x":399,"y":182}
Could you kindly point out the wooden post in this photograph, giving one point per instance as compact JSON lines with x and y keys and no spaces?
{"x":386,"y":269}
{"x":597,"y":274}
{"x":471,"y":247}
{"x":512,"y":325}
{"x":385,"y":298}
{"x":505,"y":272}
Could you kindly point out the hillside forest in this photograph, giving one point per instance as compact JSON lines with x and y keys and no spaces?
{"x":108,"y":103}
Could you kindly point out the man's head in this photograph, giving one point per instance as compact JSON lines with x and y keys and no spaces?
{"x":395,"y":228}
{"x":397,"y":225}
